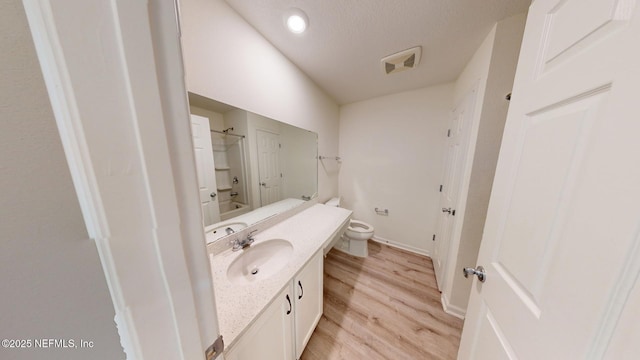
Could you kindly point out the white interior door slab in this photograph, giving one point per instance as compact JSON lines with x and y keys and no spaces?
{"x":269,"y":167}
{"x":206,"y":169}
{"x":561,"y":244}
{"x":455,"y":159}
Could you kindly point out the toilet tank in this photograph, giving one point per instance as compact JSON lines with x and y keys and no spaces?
{"x":333,"y":202}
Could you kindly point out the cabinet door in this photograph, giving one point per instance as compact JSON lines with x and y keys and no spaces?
{"x":308,"y":297}
{"x":271,"y":335}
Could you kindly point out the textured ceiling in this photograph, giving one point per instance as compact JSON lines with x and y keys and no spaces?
{"x":345,"y":40}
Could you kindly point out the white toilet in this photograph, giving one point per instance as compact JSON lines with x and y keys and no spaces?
{"x":354,"y":240}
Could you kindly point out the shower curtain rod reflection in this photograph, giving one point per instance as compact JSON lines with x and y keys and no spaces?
{"x":226,"y":133}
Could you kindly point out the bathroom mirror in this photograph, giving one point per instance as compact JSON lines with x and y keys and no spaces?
{"x":261,"y":167}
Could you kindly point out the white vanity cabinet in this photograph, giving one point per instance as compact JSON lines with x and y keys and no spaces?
{"x":270,"y":337}
{"x":282,"y":331}
{"x":308,"y":307}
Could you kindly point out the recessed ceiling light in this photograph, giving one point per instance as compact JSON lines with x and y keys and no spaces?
{"x":296,"y":21}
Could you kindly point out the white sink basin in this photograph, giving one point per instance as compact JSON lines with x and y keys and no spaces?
{"x":260,"y":261}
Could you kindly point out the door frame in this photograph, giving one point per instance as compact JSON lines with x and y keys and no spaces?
{"x":155,"y":262}
{"x":476,"y":91}
{"x":469,"y":101}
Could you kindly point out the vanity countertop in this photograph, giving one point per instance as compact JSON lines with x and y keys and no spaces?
{"x":238,"y":305}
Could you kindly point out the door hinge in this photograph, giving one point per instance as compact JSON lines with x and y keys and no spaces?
{"x":440,"y":188}
{"x":433,"y":238}
{"x":215,"y":349}
{"x":448,"y":132}
{"x":280,"y":146}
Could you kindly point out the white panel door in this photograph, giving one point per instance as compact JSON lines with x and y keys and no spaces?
{"x":205,"y":168}
{"x":561,"y":243}
{"x":457,"y":144}
{"x":269,"y":167}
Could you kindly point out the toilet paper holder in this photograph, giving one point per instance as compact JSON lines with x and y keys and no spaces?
{"x":384,"y":212}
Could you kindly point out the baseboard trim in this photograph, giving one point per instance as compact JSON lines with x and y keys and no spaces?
{"x":451,"y":309}
{"x":401,"y":246}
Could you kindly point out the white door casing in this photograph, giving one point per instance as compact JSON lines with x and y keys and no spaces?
{"x":269,"y":167}
{"x":455,"y":160}
{"x":561,"y":245}
{"x":114,"y":75}
{"x":205,"y":168}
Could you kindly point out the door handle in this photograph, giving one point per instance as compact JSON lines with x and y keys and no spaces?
{"x":290,"y":308}
{"x":478,"y":271}
{"x":213,"y":195}
{"x":301,"y":290}
{"x":263,"y":184}
{"x":447,"y":210}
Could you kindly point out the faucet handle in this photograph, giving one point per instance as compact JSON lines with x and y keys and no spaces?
{"x":235,"y":244}
{"x":250,"y":235}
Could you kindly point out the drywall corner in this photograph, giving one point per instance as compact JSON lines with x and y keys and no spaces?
{"x":51,"y":277}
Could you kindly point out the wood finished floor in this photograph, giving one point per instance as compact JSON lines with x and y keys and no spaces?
{"x":386,"y":306}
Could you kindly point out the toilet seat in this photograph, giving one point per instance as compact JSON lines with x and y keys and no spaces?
{"x":359,"y":226}
{"x":355,"y":236}
{"x":359,"y":230}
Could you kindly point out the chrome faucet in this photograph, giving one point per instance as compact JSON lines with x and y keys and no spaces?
{"x":229,"y":231}
{"x":241,"y":244}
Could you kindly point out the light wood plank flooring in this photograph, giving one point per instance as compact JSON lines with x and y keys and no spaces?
{"x":386,"y":306}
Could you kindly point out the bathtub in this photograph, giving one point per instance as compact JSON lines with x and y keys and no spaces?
{"x":232,"y":209}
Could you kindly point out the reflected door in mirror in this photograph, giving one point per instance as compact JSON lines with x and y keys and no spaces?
{"x":269,"y":167}
{"x":205,"y":169}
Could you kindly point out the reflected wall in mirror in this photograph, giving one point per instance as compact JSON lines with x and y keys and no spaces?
{"x":250,"y":167}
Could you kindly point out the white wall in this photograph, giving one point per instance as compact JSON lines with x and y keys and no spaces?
{"x":392,"y":157}
{"x":229,"y":61}
{"x":51,"y":278}
{"x":299,"y":156}
{"x":493,"y":67}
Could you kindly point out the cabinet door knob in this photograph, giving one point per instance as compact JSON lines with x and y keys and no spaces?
{"x":301,"y":290}
{"x":290,"y":308}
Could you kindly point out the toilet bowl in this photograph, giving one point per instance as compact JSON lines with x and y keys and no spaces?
{"x":359,"y":230}
{"x":354,"y":239}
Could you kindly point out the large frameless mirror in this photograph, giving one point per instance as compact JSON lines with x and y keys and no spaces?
{"x":250,"y":167}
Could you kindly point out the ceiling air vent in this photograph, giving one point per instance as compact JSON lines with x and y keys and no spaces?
{"x":404,"y":60}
